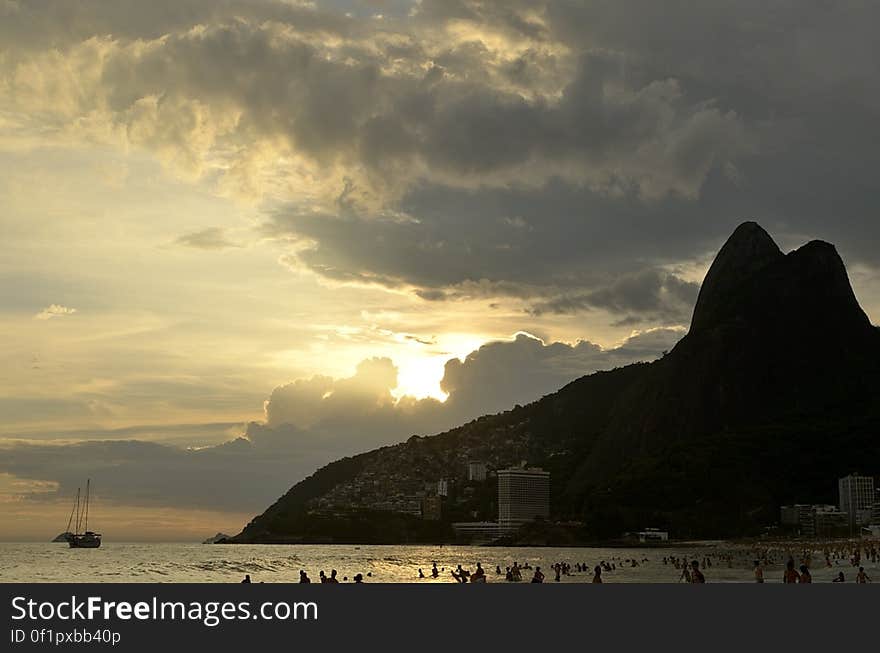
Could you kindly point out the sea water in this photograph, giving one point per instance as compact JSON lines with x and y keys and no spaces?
{"x":206,"y":563}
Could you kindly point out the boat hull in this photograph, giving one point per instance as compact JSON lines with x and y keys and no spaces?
{"x":84,"y":541}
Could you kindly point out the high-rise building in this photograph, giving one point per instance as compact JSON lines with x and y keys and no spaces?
{"x":523,"y":495}
{"x":857,"y":498}
{"x":476,"y":471}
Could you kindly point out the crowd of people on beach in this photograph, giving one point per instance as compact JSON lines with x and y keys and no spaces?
{"x":687,"y":569}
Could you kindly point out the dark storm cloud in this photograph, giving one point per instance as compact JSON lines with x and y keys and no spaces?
{"x":561,"y":248}
{"x":650,"y":293}
{"x":313,"y":421}
{"x":794,"y":86}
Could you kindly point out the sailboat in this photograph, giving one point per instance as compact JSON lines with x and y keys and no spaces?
{"x":81,"y":537}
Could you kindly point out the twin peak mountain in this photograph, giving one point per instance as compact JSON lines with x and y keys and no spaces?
{"x":772,"y":395}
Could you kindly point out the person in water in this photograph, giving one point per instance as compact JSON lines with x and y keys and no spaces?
{"x":597,"y":574}
{"x":696,"y":574}
{"x":759,"y":572}
{"x":332,"y":578}
{"x":358,"y":578}
{"x":538,"y":577}
{"x":322,"y":576}
{"x":790,"y":574}
{"x":303,"y":577}
{"x":421,"y":573}
{"x":806,"y":576}
{"x":246,"y":579}
{"x":685,"y":574}
{"x":434,"y":571}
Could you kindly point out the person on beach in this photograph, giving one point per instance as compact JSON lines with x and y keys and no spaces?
{"x":303,"y":576}
{"x":479,"y":576}
{"x":839,"y":578}
{"x":862,"y":577}
{"x":597,"y":574}
{"x":538,"y":576}
{"x":696,"y":574}
{"x":806,"y":576}
{"x":247,"y":579}
{"x":790,"y":575}
{"x":759,"y":572}
{"x":434,"y":571}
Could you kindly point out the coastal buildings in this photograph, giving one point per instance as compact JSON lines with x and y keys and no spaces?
{"x":653,"y":535}
{"x":476,"y":471}
{"x":799,"y":519}
{"x":523,"y":495}
{"x":479,"y":532}
{"x":857,"y":508}
{"x":814,"y":520}
{"x":857,"y":498}
{"x":828,"y":521}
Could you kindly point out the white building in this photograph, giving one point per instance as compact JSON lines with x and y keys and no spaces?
{"x":523,"y":495}
{"x":476,"y":471}
{"x":443,"y":488}
{"x":653,"y":535}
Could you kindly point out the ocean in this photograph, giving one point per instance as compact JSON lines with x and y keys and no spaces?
{"x":117,"y":562}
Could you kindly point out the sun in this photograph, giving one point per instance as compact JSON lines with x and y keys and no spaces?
{"x":420,"y":367}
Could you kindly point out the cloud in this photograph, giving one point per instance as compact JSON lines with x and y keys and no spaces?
{"x":500,"y":143}
{"x":54,"y":310}
{"x":212,"y":238}
{"x":312,"y":421}
{"x":649,"y":294}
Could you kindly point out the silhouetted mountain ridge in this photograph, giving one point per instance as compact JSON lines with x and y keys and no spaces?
{"x":769,"y":398}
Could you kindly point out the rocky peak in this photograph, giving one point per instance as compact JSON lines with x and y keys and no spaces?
{"x":748,"y":250}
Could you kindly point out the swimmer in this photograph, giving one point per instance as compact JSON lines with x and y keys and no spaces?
{"x":538,"y":576}
{"x":696,"y":574}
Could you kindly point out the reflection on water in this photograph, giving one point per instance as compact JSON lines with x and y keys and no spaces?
{"x":205,"y":563}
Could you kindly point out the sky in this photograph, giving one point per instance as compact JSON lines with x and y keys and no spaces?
{"x":243,"y":238}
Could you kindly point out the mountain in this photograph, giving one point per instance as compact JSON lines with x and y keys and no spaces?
{"x":216,"y":539}
{"x":771,"y":396}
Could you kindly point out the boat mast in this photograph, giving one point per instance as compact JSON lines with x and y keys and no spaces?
{"x":78,"y":512}
{"x":88,"y":482}
{"x":72,"y":511}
